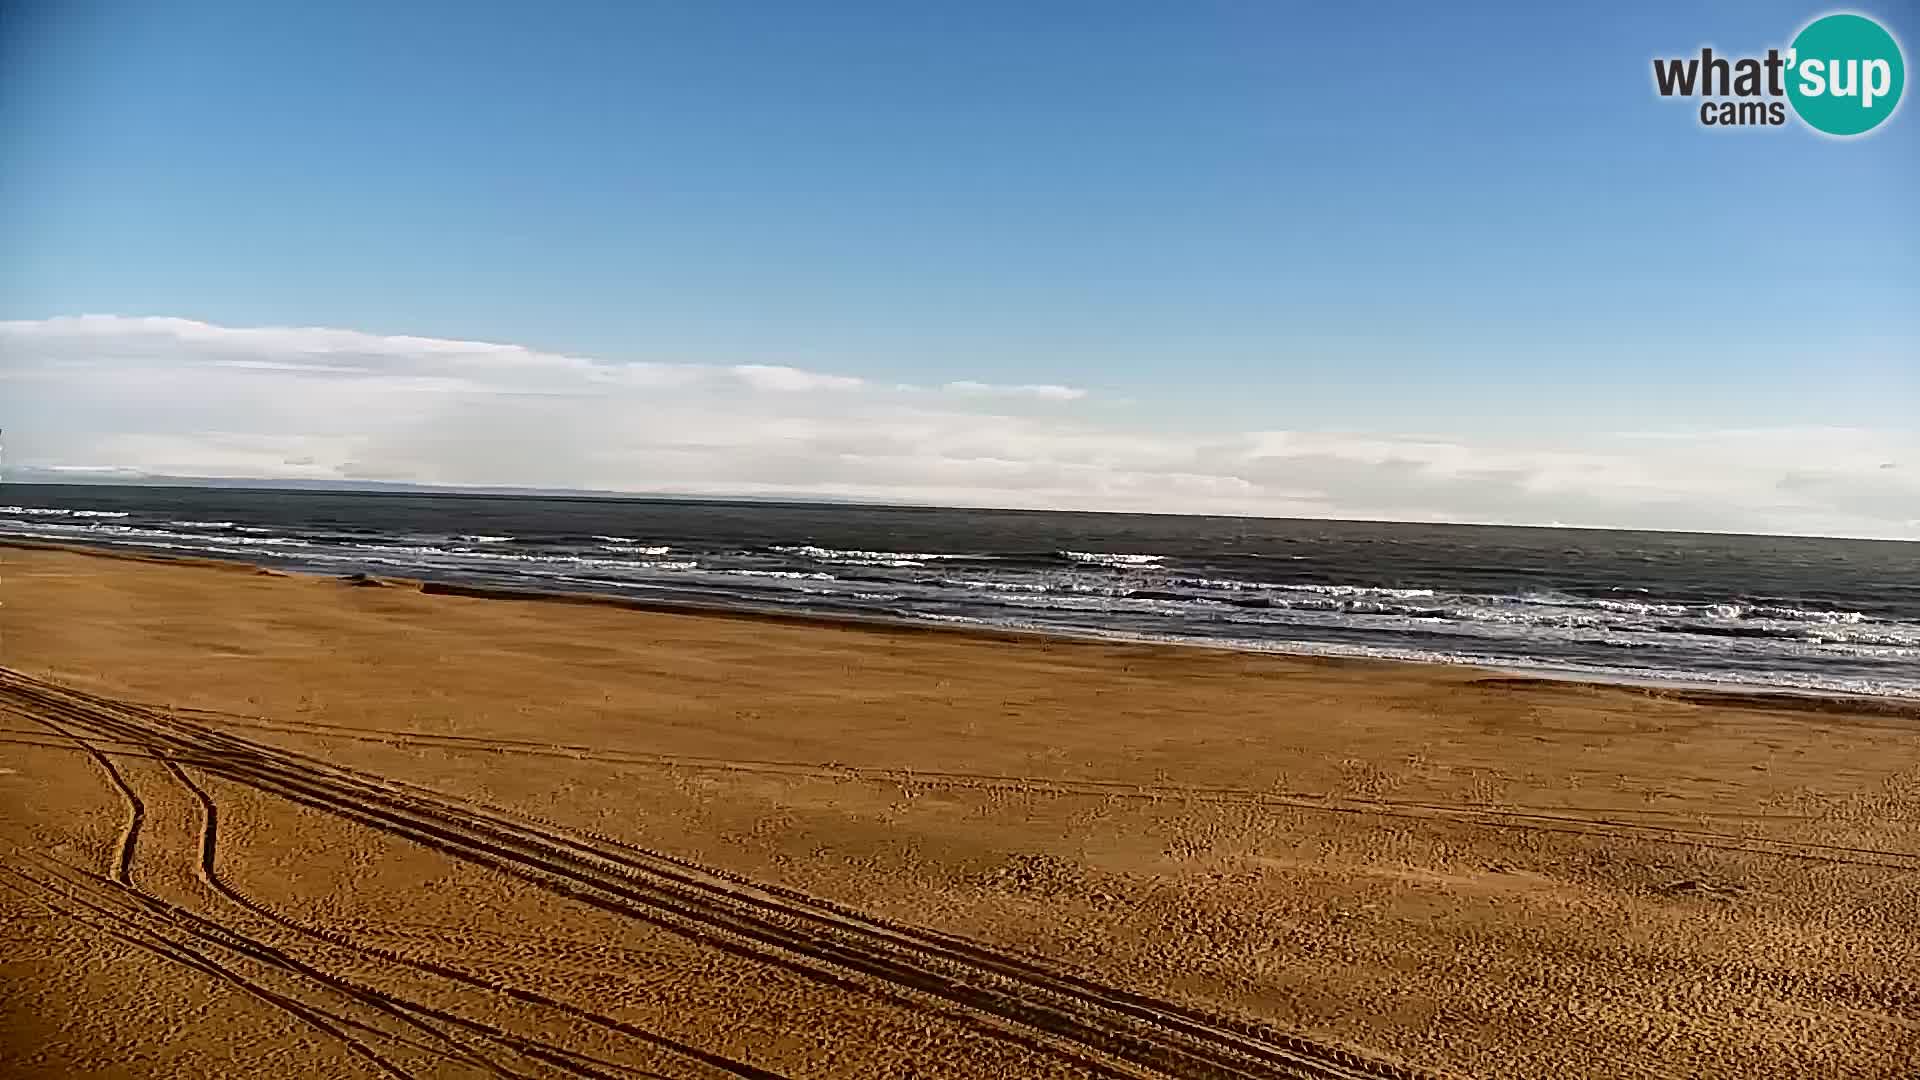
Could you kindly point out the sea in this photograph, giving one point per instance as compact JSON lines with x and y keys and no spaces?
{"x":1809,"y":614}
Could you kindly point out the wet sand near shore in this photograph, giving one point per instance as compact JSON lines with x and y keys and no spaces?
{"x":255,"y":823}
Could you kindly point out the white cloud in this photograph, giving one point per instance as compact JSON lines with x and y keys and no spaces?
{"x":1043,"y":391}
{"x":791,"y":380}
{"x":184,"y":398}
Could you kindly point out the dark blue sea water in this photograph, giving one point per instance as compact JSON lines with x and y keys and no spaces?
{"x":1837,"y":615}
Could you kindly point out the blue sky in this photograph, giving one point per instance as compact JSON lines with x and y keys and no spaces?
{"x":1250,"y":216}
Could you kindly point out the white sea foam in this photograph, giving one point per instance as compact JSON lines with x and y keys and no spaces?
{"x":630,"y":545}
{"x":54,"y":511}
{"x":1775,"y":680}
{"x":1515,"y":618}
{"x":996,"y":586}
{"x":481,"y":538}
{"x":1625,"y":607}
{"x":429,"y":551}
{"x":265,"y":541}
{"x":1786,"y":614}
{"x":1113,"y":559}
{"x":1357,"y":590}
{"x":854,"y":557}
{"x":89,"y":531}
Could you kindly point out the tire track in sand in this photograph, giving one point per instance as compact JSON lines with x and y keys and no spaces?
{"x":210,"y":876}
{"x":1105,"y":1030}
{"x":146,"y":938}
{"x":121,"y":909}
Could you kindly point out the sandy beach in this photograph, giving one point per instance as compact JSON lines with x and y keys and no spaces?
{"x":254,"y":823}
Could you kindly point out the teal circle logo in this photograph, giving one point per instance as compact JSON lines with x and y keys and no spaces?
{"x":1845,"y":74}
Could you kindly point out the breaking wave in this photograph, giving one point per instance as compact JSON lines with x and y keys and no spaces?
{"x":896,"y":559}
{"x":1121,"y":560}
{"x":43,"y":511}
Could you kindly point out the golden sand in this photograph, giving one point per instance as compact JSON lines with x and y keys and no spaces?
{"x":388,"y":832}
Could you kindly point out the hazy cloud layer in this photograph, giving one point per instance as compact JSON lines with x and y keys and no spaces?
{"x":184,"y":398}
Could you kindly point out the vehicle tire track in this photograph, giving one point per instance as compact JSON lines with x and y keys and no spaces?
{"x":97,"y":917}
{"x":136,"y":810}
{"x":217,"y":935}
{"x":1110,"y":1031}
{"x":210,"y":876}
{"x":330,"y":802}
{"x":382,"y":1002}
{"x":132,"y":932}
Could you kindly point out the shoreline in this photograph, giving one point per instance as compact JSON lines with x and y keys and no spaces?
{"x":1731,"y":694}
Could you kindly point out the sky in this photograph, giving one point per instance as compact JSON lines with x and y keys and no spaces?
{"x":1382,"y":261}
